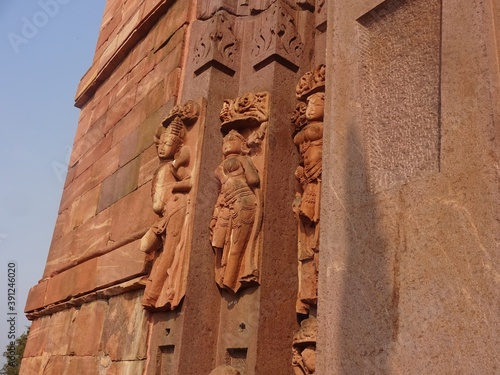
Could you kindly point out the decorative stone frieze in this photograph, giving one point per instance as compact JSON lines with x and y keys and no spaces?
{"x":276,"y":39}
{"x":217,"y":45}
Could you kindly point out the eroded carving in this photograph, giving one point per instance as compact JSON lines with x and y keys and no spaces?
{"x":166,"y":240}
{"x":236,"y":220}
{"x":277,"y":39}
{"x":308,"y":121}
{"x":218,"y":45}
{"x":304,"y":348}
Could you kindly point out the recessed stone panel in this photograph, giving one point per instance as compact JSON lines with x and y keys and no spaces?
{"x":399,"y":62}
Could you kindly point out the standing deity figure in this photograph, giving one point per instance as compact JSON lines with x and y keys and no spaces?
{"x":236,"y":220}
{"x":308,"y":121}
{"x":166,"y":239}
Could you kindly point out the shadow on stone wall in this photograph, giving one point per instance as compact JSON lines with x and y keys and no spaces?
{"x":368,"y":305}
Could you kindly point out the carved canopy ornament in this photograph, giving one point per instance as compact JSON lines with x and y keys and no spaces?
{"x":310,"y":83}
{"x":187,"y":113}
{"x":246,"y":111}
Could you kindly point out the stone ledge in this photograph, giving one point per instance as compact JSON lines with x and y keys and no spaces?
{"x":124,"y":287}
{"x":104,"y":271}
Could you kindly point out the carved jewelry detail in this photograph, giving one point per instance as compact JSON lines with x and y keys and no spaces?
{"x":237,"y":217}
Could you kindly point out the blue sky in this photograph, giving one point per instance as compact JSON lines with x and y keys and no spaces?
{"x":44,"y":51}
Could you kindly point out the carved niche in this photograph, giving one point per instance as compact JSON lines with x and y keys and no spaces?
{"x":218,"y":45}
{"x":166,"y":241}
{"x":276,"y":39}
{"x":308,"y":121}
{"x":237,"y":217}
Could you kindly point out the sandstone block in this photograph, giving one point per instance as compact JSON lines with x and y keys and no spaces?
{"x":101,"y":147}
{"x":132,"y":206}
{"x":81,"y":366}
{"x":58,"y":339}
{"x":36,"y":296}
{"x":176,"y":16}
{"x":121,"y":264}
{"x":107,"y":165}
{"x":91,"y":236}
{"x":149,"y":163}
{"x":125,"y":98}
{"x":88,"y":141}
{"x":32,"y":366}
{"x":63,"y":224}
{"x":59,"y":253}
{"x":121,"y":183}
{"x":86,"y":207}
{"x":126,"y":368}
{"x":125,"y":328}
{"x":76,"y":188}
{"x":39,"y":334}
{"x":87,"y":329}
{"x":70,"y":283}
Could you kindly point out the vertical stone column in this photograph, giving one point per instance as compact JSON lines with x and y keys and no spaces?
{"x":409,"y":193}
{"x":237,"y":53}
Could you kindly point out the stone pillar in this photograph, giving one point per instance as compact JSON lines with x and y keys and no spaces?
{"x":410,"y":193}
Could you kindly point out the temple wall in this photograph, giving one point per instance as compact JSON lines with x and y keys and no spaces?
{"x":391,"y":149}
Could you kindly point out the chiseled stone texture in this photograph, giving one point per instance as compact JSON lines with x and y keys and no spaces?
{"x":409,"y":268}
{"x":101,"y":337}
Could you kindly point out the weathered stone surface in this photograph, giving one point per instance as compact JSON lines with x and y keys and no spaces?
{"x":59,"y":253}
{"x":406,"y":277}
{"x":92,"y":236}
{"x":121,"y":264}
{"x":32,"y":366}
{"x":39,"y":334}
{"x":85,"y":207}
{"x":131,"y":205}
{"x":86,"y":329}
{"x":126,"y":368}
{"x":119,"y":184}
{"x":36,"y":296}
{"x":58,"y":341}
{"x":70,"y":283}
{"x":125,"y":328}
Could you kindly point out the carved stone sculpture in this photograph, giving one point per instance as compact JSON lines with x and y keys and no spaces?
{"x":304,"y":348}
{"x":236,"y":220}
{"x":308,"y":121}
{"x":166,"y":239}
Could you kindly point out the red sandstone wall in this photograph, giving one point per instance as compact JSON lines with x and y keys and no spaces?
{"x":130,"y":87}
